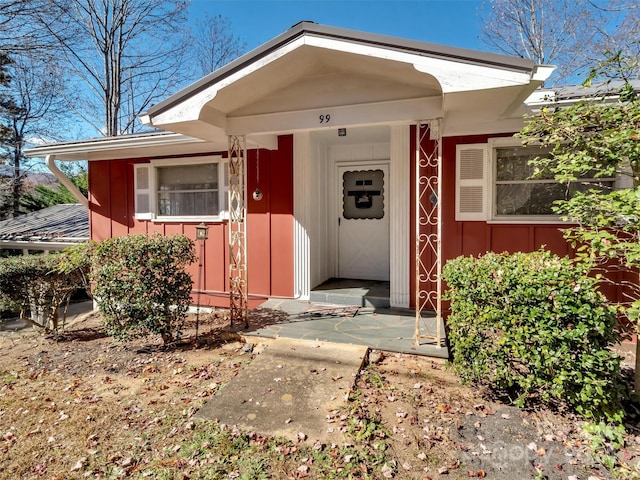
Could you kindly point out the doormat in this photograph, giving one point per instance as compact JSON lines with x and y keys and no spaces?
{"x":319,"y":310}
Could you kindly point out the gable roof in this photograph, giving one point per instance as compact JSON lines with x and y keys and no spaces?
{"x":53,"y":227}
{"x":311,"y":70}
{"x":301,"y":29}
{"x":356,"y":78}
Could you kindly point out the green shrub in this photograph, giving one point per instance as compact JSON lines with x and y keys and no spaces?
{"x":141,"y":285}
{"x":534,"y":326}
{"x":38,"y":285}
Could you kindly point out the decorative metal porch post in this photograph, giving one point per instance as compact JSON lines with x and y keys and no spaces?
{"x":428,"y":227}
{"x":238,"y":276}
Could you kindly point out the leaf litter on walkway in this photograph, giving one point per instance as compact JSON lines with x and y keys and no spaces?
{"x":87,"y":406}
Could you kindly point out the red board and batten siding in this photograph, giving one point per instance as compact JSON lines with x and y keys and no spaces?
{"x":269,"y":223}
{"x":476,"y":237}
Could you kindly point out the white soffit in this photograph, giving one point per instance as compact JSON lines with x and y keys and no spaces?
{"x":189,"y":109}
{"x":275,"y":84}
{"x":453,"y":76}
{"x":142,"y":146}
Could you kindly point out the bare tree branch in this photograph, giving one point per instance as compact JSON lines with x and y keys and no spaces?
{"x":573,"y":35}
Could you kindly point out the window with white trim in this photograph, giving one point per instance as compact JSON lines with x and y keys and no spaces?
{"x":494,"y":181}
{"x":182,"y":189}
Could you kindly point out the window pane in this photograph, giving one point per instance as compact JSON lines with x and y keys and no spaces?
{"x":188,"y":190}
{"x":528,"y":198}
{"x":363,"y":194}
{"x":185,"y":203}
{"x":513,"y":163}
{"x":189,"y":177}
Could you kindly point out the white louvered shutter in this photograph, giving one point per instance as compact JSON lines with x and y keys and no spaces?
{"x":224,"y":189}
{"x":471,"y":182}
{"x":143,"y":191}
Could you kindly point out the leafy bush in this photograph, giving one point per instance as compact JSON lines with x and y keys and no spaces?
{"x":534,"y":326}
{"x":141,"y":285}
{"x":38,"y":285}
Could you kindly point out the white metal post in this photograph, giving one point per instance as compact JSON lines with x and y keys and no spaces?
{"x":238,"y":275}
{"x":428,"y":228}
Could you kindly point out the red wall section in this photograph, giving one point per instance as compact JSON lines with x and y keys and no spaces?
{"x":476,"y":238}
{"x":99,"y":201}
{"x":269,"y":223}
{"x":282,"y":219}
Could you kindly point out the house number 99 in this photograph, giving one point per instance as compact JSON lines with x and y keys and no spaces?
{"x":324,"y":118}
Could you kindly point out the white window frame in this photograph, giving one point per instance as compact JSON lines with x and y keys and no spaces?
{"x":152,"y":191}
{"x":508,"y":142}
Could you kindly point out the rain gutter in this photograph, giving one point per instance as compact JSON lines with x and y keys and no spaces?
{"x":66,"y":181}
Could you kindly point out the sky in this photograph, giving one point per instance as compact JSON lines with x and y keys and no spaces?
{"x":454,"y":23}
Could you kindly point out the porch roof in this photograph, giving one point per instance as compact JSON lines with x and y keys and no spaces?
{"x":394,"y":44}
{"x":313,"y":70}
{"x":356,"y":78}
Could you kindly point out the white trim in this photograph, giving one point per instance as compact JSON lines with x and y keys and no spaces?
{"x":386,"y":112}
{"x":186,"y":161}
{"x":106,"y":148}
{"x":42,"y":245}
{"x":301,"y":215}
{"x":50,"y":161}
{"x":152,"y":190}
{"x":399,"y":178}
{"x":189,"y":109}
{"x":492,"y":145}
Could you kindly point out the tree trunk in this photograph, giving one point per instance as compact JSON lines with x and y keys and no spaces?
{"x":17,"y":182}
{"x":636,"y":376}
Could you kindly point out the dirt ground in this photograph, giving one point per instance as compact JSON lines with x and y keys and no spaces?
{"x":87,"y":406}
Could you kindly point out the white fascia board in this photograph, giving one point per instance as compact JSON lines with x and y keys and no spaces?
{"x":535,"y":103}
{"x":464,"y":77}
{"x":460,"y":124}
{"x":89,"y":149}
{"x":541,"y":96}
{"x":40,"y":244}
{"x":339,"y":116}
{"x":542,"y":72}
{"x":453,"y":76}
{"x":189,"y":110}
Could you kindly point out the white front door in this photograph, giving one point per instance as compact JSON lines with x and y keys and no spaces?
{"x":363,"y":221}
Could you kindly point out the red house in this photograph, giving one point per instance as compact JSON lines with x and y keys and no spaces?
{"x":356,"y":156}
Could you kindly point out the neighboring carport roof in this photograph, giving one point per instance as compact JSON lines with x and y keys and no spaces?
{"x":54,"y":227}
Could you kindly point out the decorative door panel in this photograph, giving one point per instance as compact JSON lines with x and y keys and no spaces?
{"x":363,"y":222}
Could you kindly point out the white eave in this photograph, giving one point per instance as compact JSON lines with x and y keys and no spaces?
{"x":313,"y":70}
{"x":128,"y":146}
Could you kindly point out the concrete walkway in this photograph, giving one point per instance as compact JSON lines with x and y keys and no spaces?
{"x":290,"y":390}
{"x":384,"y":329}
{"x":76,"y":313}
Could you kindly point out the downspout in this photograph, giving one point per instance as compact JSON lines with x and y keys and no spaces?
{"x":66,"y":181}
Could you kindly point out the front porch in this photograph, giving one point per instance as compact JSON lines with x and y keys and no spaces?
{"x":349,"y":312}
{"x":346,"y":291}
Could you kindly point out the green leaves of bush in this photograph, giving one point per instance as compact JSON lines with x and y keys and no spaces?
{"x":37,"y":285}
{"x":535,"y":327}
{"x":141,"y":284}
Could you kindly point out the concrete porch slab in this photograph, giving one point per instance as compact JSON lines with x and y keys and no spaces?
{"x":289,"y":389}
{"x":385,"y":329}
